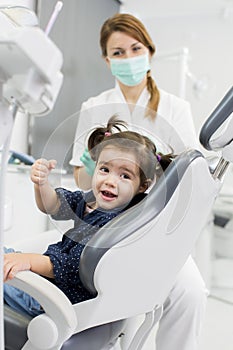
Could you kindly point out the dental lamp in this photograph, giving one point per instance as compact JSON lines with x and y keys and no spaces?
{"x":30,"y":80}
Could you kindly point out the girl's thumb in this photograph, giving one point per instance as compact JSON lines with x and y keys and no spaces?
{"x":52,"y":164}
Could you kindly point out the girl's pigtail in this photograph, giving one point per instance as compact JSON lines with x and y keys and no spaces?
{"x":161,"y":161}
{"x":99,"y":134}
{"x":165,"y":159}
{"x":94,"y":139}
{"x":115,"y":124}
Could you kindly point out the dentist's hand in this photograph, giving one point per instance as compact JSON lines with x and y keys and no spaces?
{"x":41,"y":169}
{"x":88,"y":162}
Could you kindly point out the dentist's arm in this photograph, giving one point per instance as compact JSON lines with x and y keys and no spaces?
{"x":45,"y":195}
{"x":82,"y":179}
{"x":83,"y":175}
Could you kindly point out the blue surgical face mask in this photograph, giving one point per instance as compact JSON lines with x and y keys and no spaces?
{"x":130,"y":71}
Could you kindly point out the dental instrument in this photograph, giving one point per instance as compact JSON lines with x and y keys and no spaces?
{"x":53,"y":18}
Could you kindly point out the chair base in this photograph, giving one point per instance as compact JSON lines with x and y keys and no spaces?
{"x":101,"y":337}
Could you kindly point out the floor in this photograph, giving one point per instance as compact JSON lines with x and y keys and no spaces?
{"x":218,"y":328}
{"x":217,"y":333}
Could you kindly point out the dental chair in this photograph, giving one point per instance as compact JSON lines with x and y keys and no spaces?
{"x":140,"y":242}
{"x":152,"y":240}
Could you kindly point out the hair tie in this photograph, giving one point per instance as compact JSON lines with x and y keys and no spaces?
{"x":158,"y":156}
{"x":107,"y":133}
{"x":149,"y":74}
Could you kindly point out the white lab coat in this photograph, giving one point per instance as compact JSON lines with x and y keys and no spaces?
{"x":184,"y":309}
{"x":173,"y":125}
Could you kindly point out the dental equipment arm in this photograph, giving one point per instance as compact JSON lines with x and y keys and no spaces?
{"x":217,"y":118}
{"x":31,"y":63}
{"x":217,"y":133}
{"x":30,"y":80}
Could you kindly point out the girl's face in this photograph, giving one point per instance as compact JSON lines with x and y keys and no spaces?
{"x":116,"y":178}
{"x":121,"y":45}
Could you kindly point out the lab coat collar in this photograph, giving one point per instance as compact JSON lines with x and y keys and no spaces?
{"x":143,"y":98}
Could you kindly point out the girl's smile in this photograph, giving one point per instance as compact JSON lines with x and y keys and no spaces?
{"x":116,"y":179}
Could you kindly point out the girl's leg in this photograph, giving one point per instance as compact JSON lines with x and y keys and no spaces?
{"x":19,"y":300}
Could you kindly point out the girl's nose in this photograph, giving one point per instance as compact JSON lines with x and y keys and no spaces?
{"x":111,"y":180}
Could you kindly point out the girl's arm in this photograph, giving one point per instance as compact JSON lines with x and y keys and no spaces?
{"x":38,"y":263}
{"x":45,"y":195}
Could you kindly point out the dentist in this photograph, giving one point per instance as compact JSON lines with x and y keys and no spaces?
{"x":127,"y":50}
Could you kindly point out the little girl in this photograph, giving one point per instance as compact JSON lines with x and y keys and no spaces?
{"x":126,"y":164}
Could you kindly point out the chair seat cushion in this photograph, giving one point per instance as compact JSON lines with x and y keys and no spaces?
{"x":15,"y":328}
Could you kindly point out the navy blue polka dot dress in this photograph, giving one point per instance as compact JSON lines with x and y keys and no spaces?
{"x":65,"y":255}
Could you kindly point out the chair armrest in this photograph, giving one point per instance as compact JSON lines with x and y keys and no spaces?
{"x":59,"y":318}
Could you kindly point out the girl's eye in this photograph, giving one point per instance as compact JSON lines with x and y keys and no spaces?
{"x":104,"y":169}
{"x":125,"y":176}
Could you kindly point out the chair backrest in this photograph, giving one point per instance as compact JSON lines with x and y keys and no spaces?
{"x":132,"y":220}
{"x":133,"y":261}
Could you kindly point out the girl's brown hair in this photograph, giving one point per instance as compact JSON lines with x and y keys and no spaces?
{"x":150,"y":162}
{"x":130,"y":25}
